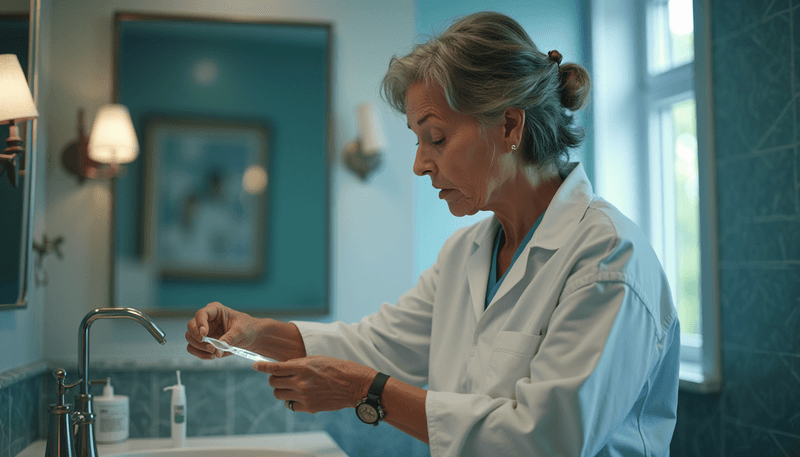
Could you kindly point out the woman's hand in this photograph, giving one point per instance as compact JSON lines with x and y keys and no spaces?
{"x":318,"y":383}
{"x":218,"y":321}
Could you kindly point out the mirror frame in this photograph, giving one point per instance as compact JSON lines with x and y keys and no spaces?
{"x":329,"y":158}
{"x":26,"y":248}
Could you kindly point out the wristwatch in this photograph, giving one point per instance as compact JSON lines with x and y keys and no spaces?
{"x":369,"y":408}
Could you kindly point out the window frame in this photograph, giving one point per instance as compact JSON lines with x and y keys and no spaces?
{"x":700,"y":355}
{"x":624,"y":173}
{"x":708,"y":376}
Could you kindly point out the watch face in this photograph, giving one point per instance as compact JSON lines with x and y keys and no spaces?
{"x":367,"y":413}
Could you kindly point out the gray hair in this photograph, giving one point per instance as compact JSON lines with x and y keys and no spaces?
{"x":486,"y":63}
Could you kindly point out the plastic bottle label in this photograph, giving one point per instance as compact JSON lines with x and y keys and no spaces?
{"x":111,"y":423}
{"x":180,"y":414}
{"x":111,"y":417}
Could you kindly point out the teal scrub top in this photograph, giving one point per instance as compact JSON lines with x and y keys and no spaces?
{"x":494,"y":283}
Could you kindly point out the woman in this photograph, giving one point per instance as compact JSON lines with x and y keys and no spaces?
{"x":545,"y":330}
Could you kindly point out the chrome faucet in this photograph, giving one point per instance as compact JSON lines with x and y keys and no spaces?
{"x":85,"y":444}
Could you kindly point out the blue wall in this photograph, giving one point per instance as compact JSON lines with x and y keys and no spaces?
{"x":275,"y":78}
{"x":755,"y":44}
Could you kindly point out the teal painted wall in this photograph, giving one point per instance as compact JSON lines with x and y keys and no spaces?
{"x":276,"y":79}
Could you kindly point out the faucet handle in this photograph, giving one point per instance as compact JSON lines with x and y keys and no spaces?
{"x":60,"y":374}
{"x":95,"y":382}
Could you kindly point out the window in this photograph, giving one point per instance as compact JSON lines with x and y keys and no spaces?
{"x":652,"y":94}
{"x":670,"y":103}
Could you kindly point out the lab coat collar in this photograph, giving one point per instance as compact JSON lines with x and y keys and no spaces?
{"x":560,"y":220}
{"x":565,"y":211}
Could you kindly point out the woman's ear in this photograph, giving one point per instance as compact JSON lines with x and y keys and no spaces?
{"x":514,"y":125}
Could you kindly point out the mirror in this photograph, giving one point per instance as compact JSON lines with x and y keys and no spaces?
{"x":229,"y":198}
{"x":18,"y":33}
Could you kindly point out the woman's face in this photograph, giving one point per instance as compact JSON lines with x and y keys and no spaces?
{"x":466,"y":166}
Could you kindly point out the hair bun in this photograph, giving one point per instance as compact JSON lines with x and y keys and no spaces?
{"x":574,"y":85}
{"x":555,"y":56}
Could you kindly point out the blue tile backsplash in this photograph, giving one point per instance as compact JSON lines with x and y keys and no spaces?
{"x":219,"y":402}
{"x":5,"y":419}
{"x":756,"y":67}
{"x":21,"y":414}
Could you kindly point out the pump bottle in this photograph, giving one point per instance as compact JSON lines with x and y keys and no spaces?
{"x":112,"y":423}
{"x":177,"y":413}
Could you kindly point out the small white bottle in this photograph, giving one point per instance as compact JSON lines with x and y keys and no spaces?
{"x":112,"y":421}
{"x":177,"y":413}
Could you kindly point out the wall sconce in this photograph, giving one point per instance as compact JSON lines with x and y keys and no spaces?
{"x":16,"y":105}
{"x":111,"y":143}
{"x":363,"y":155}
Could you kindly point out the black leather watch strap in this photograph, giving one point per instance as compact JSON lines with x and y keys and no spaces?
{"x":376,"y":389}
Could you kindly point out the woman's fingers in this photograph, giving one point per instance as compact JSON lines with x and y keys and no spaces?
{"x":203,"y":317}
{"x":201,"y":353}
{"x":282,"y":382}
{"x":287,"y":395}
{"x":317,"y":383}
{"x":198,"y":345}
{"x":198,"y":327}
{"x":193,"y":331}
{"x":279,"y":368}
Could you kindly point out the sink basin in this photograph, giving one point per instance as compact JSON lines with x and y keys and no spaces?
{"x":297,"y":444}
{"x":216,"y":452}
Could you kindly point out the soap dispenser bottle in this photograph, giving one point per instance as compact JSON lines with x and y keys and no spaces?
{"x":177,"y":413}
{"x":112,"y":422}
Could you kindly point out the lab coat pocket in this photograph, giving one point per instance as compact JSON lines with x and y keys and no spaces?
{"x":510,"y":361}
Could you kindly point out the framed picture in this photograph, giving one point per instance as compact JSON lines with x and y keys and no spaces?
{"x":205,"y":198}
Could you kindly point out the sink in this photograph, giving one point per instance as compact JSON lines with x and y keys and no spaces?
{"x":297,"y":444}
{"x":216,"y":452}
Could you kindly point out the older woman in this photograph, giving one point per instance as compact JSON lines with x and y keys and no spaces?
{"x":545,"y":330}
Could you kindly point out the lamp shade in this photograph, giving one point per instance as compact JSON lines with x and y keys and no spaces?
{"x":113,"y":139}
{"x":16,"y":103}
{"x":369,"y":129}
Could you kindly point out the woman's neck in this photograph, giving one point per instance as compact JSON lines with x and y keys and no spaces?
{"x":521,"y":200}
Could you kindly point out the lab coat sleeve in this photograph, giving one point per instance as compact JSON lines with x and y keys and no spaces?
{"x":395,"y":340}
{"x":597,"y":354}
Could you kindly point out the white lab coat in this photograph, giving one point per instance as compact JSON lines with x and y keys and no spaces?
{"x":576,"y":355}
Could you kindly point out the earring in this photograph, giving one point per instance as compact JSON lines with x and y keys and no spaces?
{"x":513,"y":147}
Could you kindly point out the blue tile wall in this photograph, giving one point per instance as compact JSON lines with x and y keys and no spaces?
{"x":229,"y":402}
{"x":699,"y":426}
{"x":20,"y":415}
{"x":232,"y":402}
{"x":744,"y":441}
{"x":762,"y":390}
{"x":762,"y":312}
{"x":756,"y":68}
{"x":5,"y":418}
{"x":24,"y":427}
{"x":752,"y":88}
{"x":738,"y":16}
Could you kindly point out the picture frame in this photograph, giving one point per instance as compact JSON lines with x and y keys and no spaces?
{"x":205,"y":196}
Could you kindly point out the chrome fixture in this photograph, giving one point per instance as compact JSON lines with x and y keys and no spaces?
{"x":59,"y":441}
{"x":85,"y":444}
{"x":42,"y":249}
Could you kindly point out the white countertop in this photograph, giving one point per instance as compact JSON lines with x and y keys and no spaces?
{"x":318,"y":442}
